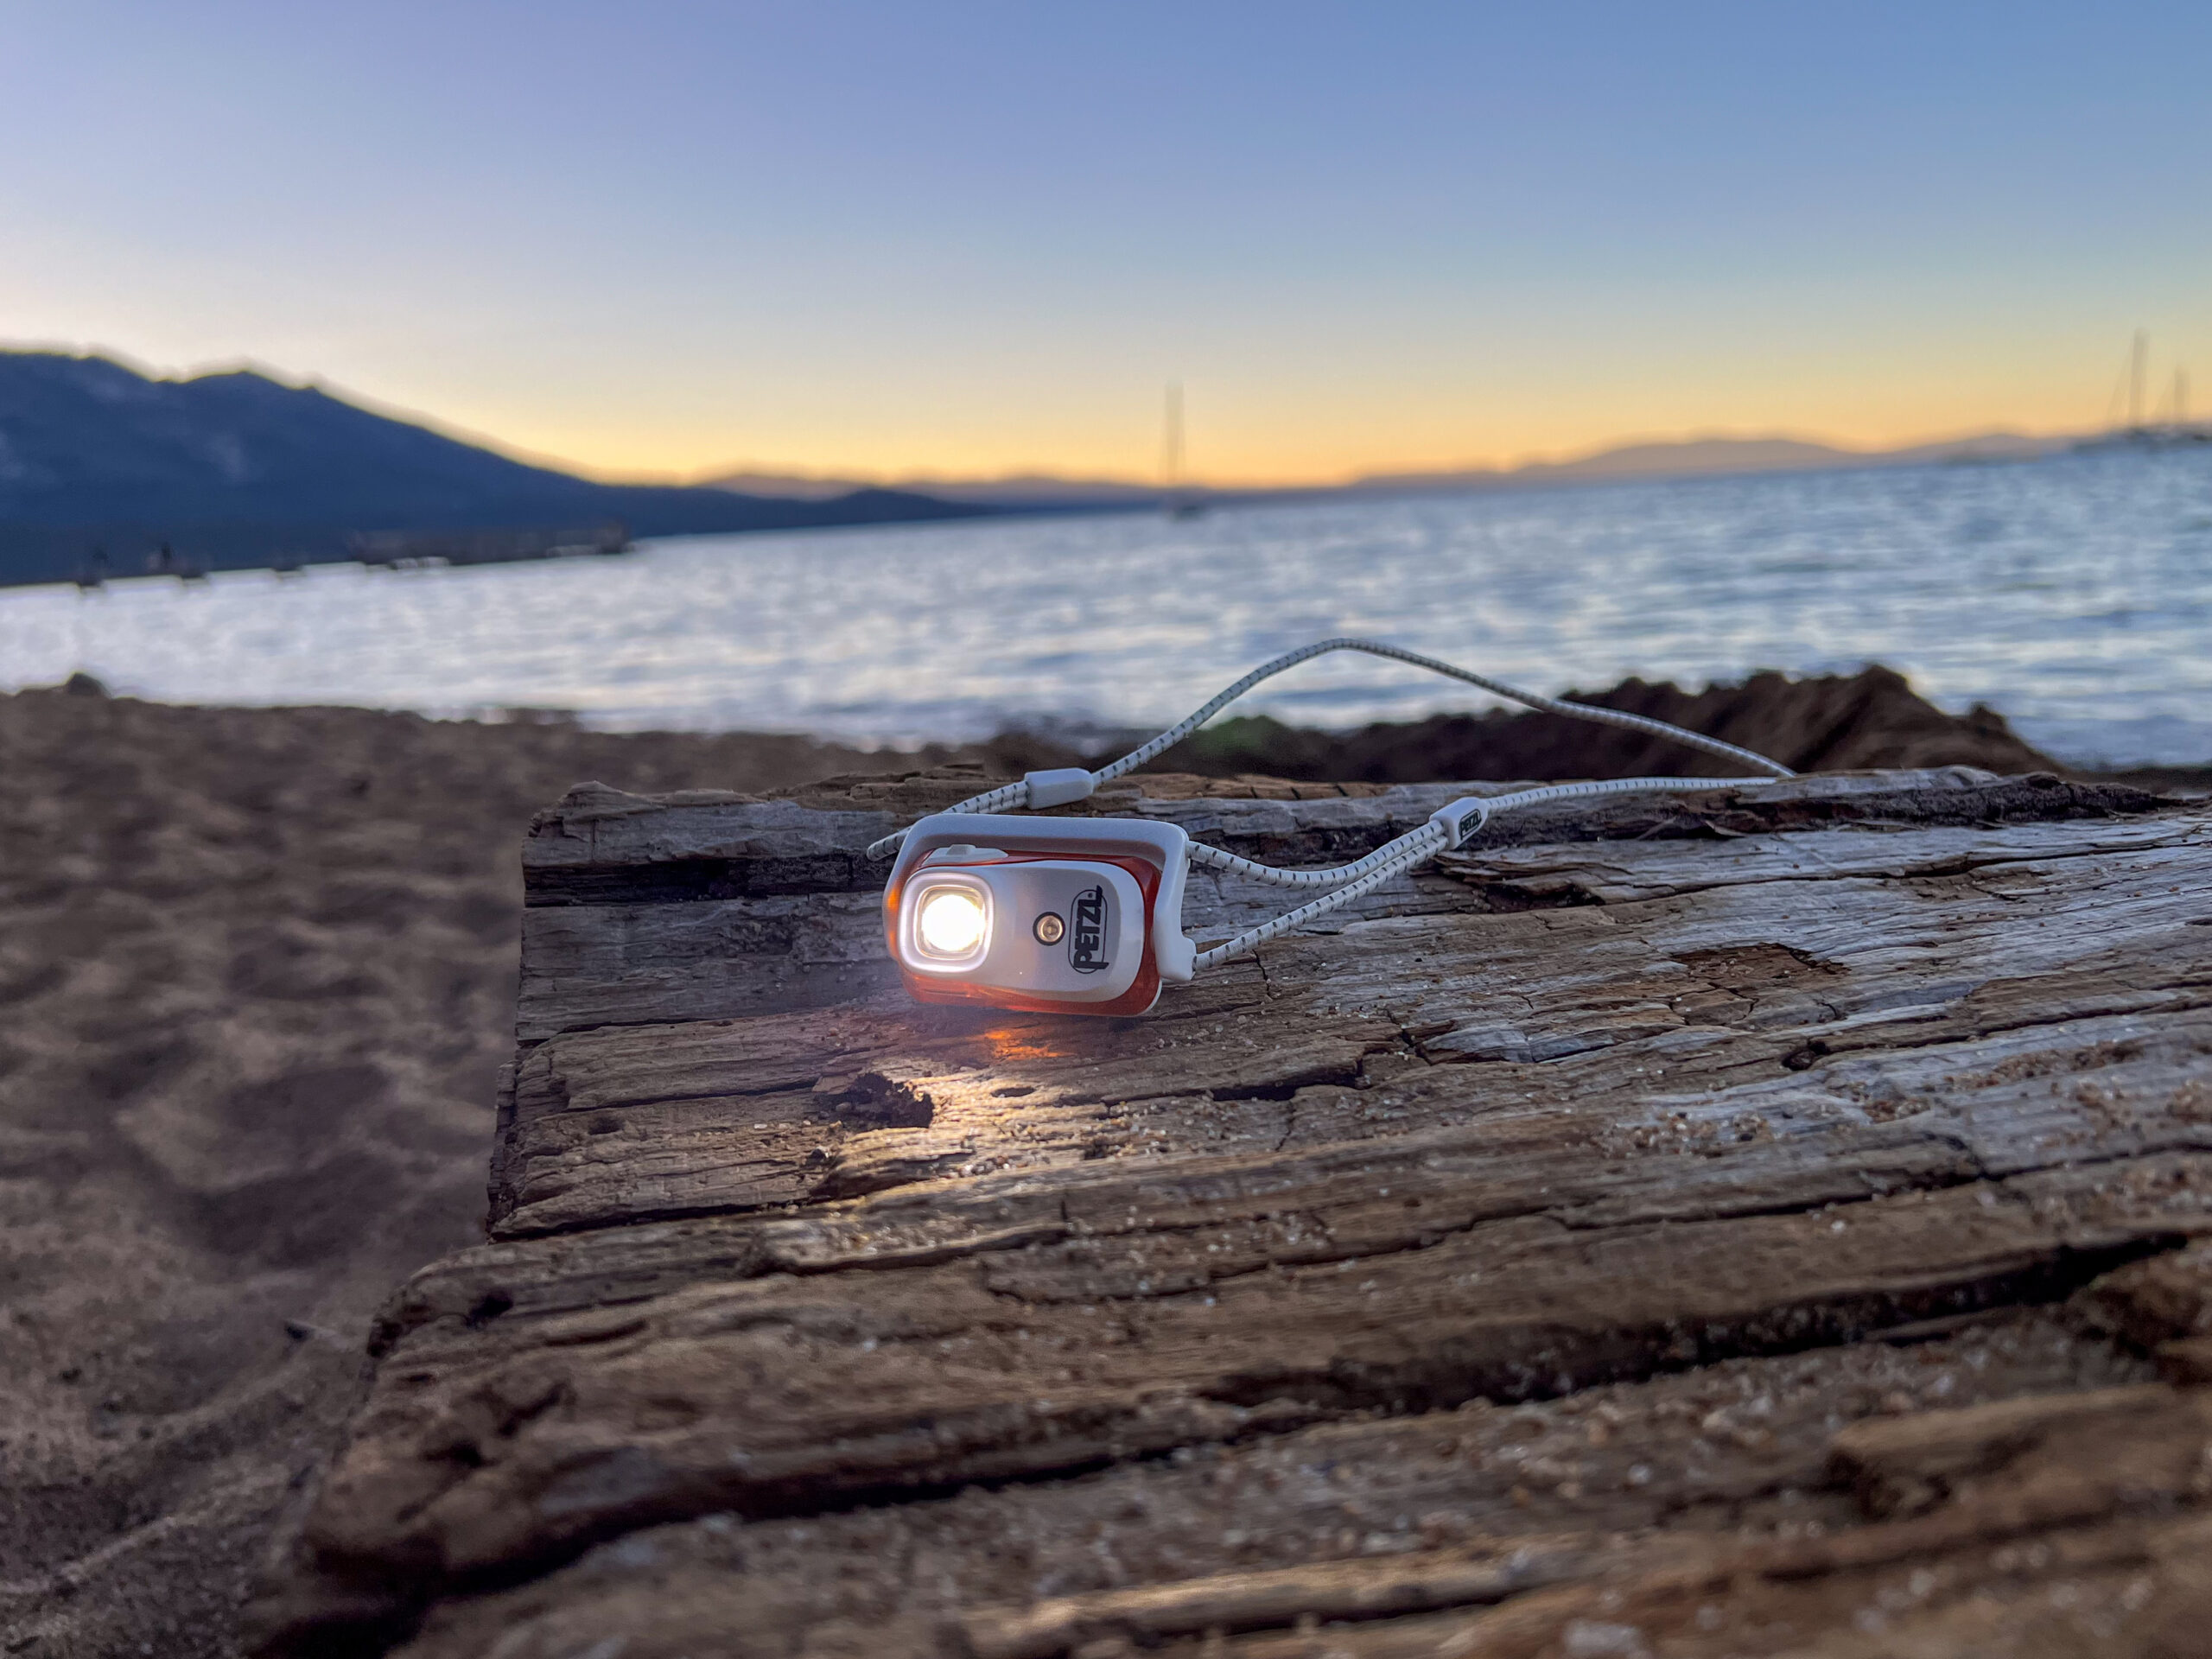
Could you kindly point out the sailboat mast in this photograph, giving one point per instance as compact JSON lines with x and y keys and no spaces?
{"x":2135,"y":380}
{"x":1171,"y":456}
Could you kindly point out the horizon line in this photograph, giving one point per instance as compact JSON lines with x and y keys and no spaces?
{"x":867,"y":478}
{"x":1040,"y":472}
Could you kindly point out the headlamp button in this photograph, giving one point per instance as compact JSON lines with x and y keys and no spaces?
{"x":1050,"y":929}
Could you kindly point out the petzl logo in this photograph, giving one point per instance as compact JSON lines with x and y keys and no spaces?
{"x":1087,"y":935}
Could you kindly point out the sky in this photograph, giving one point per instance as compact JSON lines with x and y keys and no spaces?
{"x":957,"y":238}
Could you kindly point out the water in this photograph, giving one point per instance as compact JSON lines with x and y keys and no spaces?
{"x":2073,"y":594}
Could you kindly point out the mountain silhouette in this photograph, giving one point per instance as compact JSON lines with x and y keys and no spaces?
{"x":1698,"y":457}
{"x":237,"y":469}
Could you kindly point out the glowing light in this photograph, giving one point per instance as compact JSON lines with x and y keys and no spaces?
{"x":950,"y":922}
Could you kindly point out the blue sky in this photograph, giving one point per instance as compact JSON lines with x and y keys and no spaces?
{"x":957,"y":238}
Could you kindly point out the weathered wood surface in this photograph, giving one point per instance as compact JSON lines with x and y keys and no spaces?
{"x":719,"y":906}
{"x":1685,"y":1227}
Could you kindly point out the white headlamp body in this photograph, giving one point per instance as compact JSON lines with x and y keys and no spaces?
{"x":1068,"y":915}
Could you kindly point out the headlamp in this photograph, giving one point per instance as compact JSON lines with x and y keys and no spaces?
{"x":1086,"y":915}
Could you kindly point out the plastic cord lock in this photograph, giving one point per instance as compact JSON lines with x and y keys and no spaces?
{"x":1058,"y":788}
{"x":1452,"y":820}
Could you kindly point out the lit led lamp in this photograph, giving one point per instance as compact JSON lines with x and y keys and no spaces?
{"x":1086,"y":915}
{"x":1081,"y":915}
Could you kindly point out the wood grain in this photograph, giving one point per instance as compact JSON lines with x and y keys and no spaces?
{"x":1566,"y":1244}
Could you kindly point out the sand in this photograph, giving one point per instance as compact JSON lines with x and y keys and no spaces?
{"x":256,"y":973}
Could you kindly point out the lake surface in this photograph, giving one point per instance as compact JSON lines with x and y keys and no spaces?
{"x":2073,"y":594}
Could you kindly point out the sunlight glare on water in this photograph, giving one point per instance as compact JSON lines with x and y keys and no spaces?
{"x":2075,"y":595}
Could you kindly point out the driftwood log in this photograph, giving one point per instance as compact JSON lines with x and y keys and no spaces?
{"x":1756,"y":1224}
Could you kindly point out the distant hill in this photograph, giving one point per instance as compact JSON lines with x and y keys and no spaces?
{"x":233,"y":469}
{"x":1040,"y":491}
{"x":1673,"y":458}
{"x":1712,"y":457}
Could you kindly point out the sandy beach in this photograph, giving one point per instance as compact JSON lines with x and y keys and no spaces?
{"x":256,"y":973}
